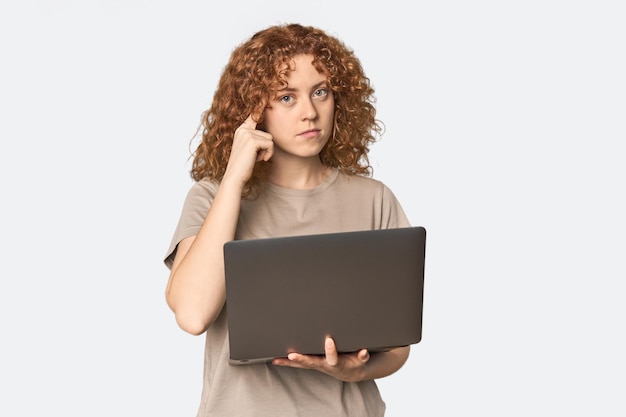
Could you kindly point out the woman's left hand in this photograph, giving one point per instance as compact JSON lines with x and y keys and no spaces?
{"x":349,"y":367}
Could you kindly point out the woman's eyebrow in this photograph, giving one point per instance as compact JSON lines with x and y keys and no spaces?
{"x":314,"y":87}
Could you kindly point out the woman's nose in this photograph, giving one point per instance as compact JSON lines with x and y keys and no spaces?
{"x":309,"y":112}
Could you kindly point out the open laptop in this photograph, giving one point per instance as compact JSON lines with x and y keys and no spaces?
{"x":286,"y":294}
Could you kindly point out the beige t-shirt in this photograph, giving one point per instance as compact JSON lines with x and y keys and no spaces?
{"x":341,"y":203}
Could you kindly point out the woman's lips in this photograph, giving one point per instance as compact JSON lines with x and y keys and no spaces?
{"x":309,"y":133}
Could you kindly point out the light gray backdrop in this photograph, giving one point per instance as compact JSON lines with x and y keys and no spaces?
{"x":505,"y":129}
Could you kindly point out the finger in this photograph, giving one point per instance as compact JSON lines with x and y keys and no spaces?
{"x":363,"y":355}
{"x":296,"y":360}
{"x":249,"y":122}
{"x":267,"y":153}
{"x":331,"y":352}
{"x":281,"y":361}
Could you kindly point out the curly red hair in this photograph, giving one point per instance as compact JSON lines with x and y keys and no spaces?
{"x":258,"y":68}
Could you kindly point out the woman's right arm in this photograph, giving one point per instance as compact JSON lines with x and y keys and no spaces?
{"x":196,"y":289}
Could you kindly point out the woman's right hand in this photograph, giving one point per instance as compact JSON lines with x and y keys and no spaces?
{"x":250,"y":145}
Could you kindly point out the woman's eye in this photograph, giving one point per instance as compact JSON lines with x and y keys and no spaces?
{"x":321,"y":92}
{"x":285,"y":99}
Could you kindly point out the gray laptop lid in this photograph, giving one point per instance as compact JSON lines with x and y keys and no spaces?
{"x":364,"y":289}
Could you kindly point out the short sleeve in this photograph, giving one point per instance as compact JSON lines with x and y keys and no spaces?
{"x":195,"y":208}
{"x":393,"y":215}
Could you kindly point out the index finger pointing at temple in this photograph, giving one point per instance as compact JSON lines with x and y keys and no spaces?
{"x":250,"y":123}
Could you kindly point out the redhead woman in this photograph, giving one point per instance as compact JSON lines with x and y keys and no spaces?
{"x":284,"y":152}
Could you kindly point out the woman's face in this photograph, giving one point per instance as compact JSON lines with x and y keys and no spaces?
{"x":300,"y":117}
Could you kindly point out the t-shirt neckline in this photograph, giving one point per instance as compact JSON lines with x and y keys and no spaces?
{"x":277,"y":189}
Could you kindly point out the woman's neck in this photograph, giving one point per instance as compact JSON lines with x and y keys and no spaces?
{"x":298,"y":175}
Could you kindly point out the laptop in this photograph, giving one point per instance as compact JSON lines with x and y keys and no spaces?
{"x":287,"y":294}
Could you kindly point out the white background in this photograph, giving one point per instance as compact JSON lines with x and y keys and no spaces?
{"x":505,"y":129}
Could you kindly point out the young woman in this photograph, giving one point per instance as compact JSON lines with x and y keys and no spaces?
{"x":283,"y":152}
